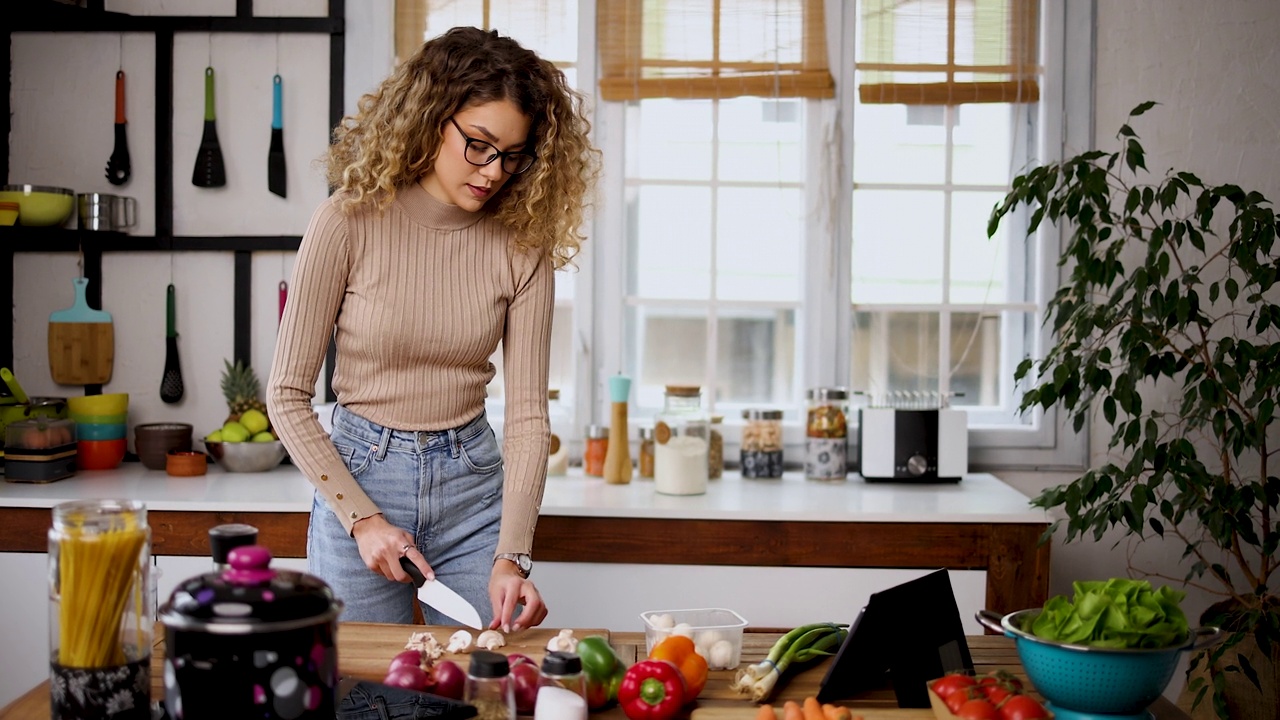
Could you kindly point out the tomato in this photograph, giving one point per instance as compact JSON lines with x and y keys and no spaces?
{"x":997,"y":693}
{"x":944,"y":686}
{"x":958,"y":698}
{"x":978,"y":709}
{"x":1022,"y":707}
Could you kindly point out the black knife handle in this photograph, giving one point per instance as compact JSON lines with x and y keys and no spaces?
{"x":414,"y":572}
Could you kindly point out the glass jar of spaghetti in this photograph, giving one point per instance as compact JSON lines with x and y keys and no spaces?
{"x":102,"y":609}
{"x":596,"y":448}
{"x":827,"y":434}
{"x":761,"y":454}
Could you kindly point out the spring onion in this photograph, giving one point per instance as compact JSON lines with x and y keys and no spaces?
{"x":801,"y":645}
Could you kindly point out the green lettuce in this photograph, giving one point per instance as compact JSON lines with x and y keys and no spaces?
{"x":1115,"y":613}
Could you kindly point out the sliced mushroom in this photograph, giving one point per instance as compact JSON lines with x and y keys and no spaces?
{"x":427,"y":644}
{"x":563,"y":642}
{"x":490,"y":640}
{"x":459,"y":642}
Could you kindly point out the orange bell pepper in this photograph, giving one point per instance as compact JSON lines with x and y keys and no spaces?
{"x":679,"y":651}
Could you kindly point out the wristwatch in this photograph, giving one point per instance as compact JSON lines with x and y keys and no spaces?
{"x":524,"y":563}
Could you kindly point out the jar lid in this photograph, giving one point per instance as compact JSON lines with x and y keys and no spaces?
{"x":761,"y":414}
{"x":684,"y":390}
{"x":557,"y":662}
{"x":250,"y":597}
{"x":646,"y":433}
{"x":487,"y":664}
{"x":597,"y":432}
{"x":225,"y":538}
{"x":829,"y":393}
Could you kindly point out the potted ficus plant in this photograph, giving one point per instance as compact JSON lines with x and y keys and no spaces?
{"x":1168,"y":326}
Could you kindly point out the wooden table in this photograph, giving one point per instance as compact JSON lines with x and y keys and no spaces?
{"x":364,"y":649}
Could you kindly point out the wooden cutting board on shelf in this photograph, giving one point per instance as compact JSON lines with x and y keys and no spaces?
{"x":81,"y":342}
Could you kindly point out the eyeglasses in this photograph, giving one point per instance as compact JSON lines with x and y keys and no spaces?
{"x":481,"y":153}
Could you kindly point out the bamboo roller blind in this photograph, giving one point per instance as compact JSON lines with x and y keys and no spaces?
{"x":948,"y":52}
{"x":712,"y":49}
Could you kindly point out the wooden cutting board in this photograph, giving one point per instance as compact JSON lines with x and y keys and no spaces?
{"x":81,"y":342}
{"x":748,"y":712}
{"x":365,"y":649}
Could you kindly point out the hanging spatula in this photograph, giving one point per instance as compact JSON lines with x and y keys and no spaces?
{"x":118,"y":167}
{"x":171,"y":387}
{"x":275,"y":156}
{"x":209,"y":170}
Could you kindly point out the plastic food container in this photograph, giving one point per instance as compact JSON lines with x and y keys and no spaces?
{"x":705,"y":626}
{"x":40,"y":450}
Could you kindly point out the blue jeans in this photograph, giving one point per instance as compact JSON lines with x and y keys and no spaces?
{"x":444,"y":488}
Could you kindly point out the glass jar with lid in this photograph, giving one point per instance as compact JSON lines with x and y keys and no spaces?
{"x":558,"y":451}
{"x":489,"y":688}
{"x":597,"y":446}
{"x":827,"y":434}
{"x":715,"y":449}
{"x":682,"y":433}
{"x":645,"y":460}
{"x":761,"y":453}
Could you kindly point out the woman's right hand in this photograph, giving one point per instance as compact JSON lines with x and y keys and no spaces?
{"x":383,"y":544}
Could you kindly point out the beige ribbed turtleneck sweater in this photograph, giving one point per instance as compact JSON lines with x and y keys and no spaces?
{"x":419,"y":297}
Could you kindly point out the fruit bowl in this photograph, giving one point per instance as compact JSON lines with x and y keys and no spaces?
{"x":246,"y":457}
{"x":40,"y":205}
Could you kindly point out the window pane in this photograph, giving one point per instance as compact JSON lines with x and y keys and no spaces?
{"x":888,"y":149}
{"x":561,"y":370}
{"x":755,"y":358}
{"x":669,"y":347}
{"x":984,"y":351}
{"x":671,"y":247}
{"x":550,"y":26}
{"x":894,"y":352}
{"x":979,"y":266}
{"x":897,"y":246}
{"x":759,"y":248}
{"x":669,"y":140}
{"x":760,"y":139}
{"x":983,"y":145}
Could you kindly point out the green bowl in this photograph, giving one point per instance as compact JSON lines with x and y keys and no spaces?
{"x":99,"y":419}
{"x":40,"y":205}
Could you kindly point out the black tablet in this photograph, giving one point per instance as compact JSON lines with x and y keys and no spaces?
{"x":905,"y":636}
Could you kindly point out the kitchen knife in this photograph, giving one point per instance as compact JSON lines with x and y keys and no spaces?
{"x":439,"y":596}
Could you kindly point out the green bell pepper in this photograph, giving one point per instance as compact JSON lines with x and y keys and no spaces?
{"x":602,"y":670}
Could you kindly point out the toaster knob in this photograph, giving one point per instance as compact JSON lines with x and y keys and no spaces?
{"x":917,"y":465}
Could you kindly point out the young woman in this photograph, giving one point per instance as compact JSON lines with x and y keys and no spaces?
{"x":461,"y":183}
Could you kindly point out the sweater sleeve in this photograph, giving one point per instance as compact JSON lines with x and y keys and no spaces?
{"x":315,"y":297}
{"x":526,"y":344}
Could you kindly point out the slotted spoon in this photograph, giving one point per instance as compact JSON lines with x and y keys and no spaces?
{"x":171,"y":387}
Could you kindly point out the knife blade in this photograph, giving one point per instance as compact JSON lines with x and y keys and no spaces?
{"x":441,"y":597}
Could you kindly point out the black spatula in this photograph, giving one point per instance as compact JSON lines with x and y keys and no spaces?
{"x":209,"y":171}
{"x":275,"y":156}
{"x":171,"y":387}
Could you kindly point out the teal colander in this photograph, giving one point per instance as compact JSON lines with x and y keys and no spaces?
{"x":1106,"y":681}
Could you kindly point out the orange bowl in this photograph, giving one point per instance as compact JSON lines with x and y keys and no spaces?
{"x":185,"y":463}
{"x":99,"y":454}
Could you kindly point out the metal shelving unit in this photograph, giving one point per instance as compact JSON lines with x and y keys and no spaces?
{"x":50,"y":16}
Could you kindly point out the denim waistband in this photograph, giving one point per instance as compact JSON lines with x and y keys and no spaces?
{"x":363,"y":429}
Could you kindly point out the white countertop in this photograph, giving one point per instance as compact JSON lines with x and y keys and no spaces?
{"x":978,"y":498}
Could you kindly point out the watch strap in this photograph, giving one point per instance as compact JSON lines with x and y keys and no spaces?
{"x":522,"y":561}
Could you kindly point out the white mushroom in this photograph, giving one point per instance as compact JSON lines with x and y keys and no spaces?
{"x":427,"y":644}
{"x":490,"y":640}
{"x":459,"y":642}
{"x":720,"y":655}
{"x":684,"y":629}
{"x":564,"y":642}
{"x":662,"y":621}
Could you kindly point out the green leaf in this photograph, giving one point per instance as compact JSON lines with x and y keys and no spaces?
{"x":1142,"y":108}
{"x":1232,"y":288}
{"x":1109,"y":409}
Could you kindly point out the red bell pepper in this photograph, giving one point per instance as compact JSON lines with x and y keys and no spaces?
{"x":652,"y":690}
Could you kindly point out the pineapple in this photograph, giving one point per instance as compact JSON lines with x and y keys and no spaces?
{"x":241,"y":388}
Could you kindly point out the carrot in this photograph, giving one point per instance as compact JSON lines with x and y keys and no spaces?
{"x":812,"y":710}
{"x":766,"y":713}
{"x":791,"y":711}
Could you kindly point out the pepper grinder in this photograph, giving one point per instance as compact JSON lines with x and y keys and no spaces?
{"x":617,"y":457}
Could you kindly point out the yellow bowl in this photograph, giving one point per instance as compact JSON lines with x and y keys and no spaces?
{"x":108,"y":404}
{"x":40,"y":205}
{"x":8,"y":213}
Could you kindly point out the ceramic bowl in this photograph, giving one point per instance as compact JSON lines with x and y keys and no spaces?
{"x":8,"y":213}
{"x":99,"y":454}
{"x":99,"y":419}
{"x":154,"y":441}
{"x":95,"y":431}
{"x":107,"y":404}
{"x":40,"y":205}
{"x":185,"y":463}
{"x":246,"y":456}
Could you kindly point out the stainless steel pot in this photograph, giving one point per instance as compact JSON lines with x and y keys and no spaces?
{"x":251,"y":641}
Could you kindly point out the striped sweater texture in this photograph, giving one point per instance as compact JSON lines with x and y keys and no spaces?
{"x":417,"y":298}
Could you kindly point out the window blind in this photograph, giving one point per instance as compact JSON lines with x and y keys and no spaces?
{"x":948,"y":52}
{"x":712,"y":49}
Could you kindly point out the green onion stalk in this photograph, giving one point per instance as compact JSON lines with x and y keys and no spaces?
{"x":801,"y":645}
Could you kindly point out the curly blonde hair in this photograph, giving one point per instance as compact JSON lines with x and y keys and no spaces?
{"x":396,"y":133}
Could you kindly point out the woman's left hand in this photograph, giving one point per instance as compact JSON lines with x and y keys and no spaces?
{"x":506,"y":590}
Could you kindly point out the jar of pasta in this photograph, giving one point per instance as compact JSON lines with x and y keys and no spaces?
{"x":682,"y":433}
{"x":101,"y":609}
{"x":761,"y":454}
{"x":827,"y":434}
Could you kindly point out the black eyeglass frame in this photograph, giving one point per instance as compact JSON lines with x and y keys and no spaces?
{"x":533,"y":157}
